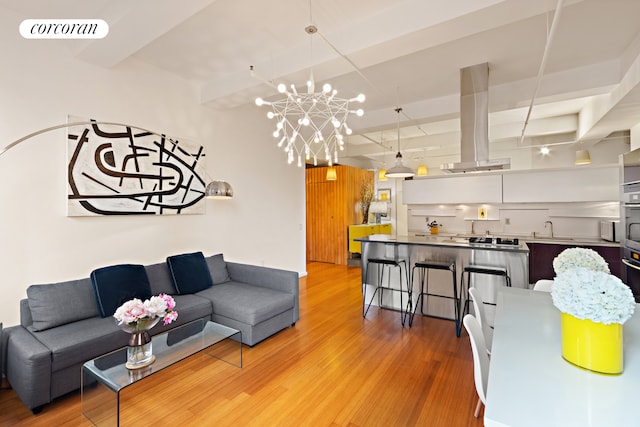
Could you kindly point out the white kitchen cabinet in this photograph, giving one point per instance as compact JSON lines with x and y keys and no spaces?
{"x":476,"y":188}
{"x":587,"y":184}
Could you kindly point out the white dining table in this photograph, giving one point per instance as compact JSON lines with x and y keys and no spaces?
{"x":530,"y":384}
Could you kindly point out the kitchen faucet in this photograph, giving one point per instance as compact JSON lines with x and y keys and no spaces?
{"x":551,"y":224}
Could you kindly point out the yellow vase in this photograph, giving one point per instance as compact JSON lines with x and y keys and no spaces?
{"x":593,"y":346}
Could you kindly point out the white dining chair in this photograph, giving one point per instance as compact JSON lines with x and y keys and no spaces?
{"x":478,"y":310}
{"x":480,"y":359}
{"x":543,"y":285}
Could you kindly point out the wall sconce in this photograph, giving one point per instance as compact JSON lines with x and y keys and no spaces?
{"x":422,"y":170}
{"x":382,"y":175}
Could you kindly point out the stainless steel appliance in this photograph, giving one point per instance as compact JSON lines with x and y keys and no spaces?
{"x":630,"y":220}
{"x":610,"y":230}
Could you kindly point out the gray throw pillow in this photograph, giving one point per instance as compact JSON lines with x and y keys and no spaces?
{"x":57,"y":304}
{"x":218,"y":269}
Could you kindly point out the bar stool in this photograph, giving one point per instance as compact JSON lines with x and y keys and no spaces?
{"x":480,"y":269}
{"x":383,"y":264}
{"x":423,"y":271}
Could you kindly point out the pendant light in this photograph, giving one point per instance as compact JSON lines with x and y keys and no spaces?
{"x":331,"y":174}
{"x":399,"y":170}
{"x":583,"y":157}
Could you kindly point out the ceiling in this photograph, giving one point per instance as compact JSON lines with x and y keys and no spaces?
{"x":404,"y":53}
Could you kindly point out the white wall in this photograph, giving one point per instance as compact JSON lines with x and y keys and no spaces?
{"x":635,"y":137}
{"x":40,"y":83}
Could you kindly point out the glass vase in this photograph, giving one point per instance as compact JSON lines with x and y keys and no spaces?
{"x":140,"y":349}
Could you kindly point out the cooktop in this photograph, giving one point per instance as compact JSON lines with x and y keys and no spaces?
{"x":494,"y":241}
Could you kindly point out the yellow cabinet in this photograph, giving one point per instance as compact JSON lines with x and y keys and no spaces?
{"x":357,"y":231}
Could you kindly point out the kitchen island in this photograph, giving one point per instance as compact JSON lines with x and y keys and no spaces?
{"x":513,"y":257}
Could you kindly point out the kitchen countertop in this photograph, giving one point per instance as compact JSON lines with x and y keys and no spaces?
{"x":561,"y":240}
{"x":441,"y":240}
{"x":577,"y":241}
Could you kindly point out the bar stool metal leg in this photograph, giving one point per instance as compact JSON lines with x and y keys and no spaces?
{"x":423,"y":276}
{"x":477,"y":269}
{"x":381,"y":266}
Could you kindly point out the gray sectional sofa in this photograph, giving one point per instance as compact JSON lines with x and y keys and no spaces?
{"x":62,"y":327}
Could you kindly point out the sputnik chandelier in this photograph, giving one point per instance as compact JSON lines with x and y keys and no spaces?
{"x":311,"y":125}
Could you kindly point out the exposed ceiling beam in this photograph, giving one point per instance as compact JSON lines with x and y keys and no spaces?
{"x":407,"y":27}
{"x":135,"y":26}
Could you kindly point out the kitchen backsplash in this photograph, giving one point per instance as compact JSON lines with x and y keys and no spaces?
{"x":568,"y":219}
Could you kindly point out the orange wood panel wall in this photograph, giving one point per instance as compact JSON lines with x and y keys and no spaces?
{"x":331,"y":207}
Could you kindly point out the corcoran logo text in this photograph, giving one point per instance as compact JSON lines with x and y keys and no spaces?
{"x":64,"y":28}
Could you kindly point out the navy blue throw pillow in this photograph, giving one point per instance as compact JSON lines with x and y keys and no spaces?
{"x":190,"y":272}
{"x":117,"y":284}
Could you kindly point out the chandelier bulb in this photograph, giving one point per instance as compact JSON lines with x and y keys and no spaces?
{"x":359,"y":112}
{"x":326,"y":88}
{"x":270,"y":115}
{"x":259,"y":102}
{"x":305,"y":121}
{"x":361,"y":97}
{"x":282,"y":88}
{"x":276,"y":134}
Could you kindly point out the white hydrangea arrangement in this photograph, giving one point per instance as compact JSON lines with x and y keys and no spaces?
{"x":584,"y":288}
{"x":593,"y":295}
{"x":579,"y":258}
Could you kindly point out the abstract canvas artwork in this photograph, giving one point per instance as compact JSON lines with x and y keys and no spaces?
{"x":124,"y":170}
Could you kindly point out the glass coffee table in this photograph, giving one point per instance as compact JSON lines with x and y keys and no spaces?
{"x":104,"y":377}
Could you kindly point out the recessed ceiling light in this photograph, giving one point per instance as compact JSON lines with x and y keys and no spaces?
{"x":544,"y":150}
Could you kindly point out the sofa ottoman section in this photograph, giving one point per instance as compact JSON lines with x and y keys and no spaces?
{"x":247,"y":303}
{"x":258,"y":301}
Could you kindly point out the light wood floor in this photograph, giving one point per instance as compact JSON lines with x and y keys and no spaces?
{"x":333,"y":368}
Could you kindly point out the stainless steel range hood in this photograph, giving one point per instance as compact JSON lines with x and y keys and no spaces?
{"x":474,"y":123}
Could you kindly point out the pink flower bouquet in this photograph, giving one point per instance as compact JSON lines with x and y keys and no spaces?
{"x":136,"y":315}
